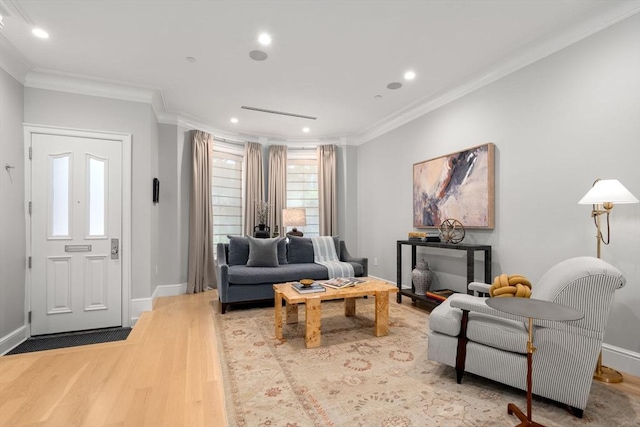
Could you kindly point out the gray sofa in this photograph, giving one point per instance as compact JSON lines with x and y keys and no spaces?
{"x":239,"y":282}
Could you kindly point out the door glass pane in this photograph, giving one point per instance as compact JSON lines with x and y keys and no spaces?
{"x":60,"y":196}
{"x":96,"y":197}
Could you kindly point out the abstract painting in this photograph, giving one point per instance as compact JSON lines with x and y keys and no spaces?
{"x":459,"y":185}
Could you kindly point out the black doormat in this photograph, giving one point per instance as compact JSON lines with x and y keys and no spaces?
{"x":71,"y":339}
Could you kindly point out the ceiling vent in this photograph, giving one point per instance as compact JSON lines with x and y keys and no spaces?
{"x":282,"y":113}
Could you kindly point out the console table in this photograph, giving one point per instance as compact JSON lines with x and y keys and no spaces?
{"x":470,"y":249}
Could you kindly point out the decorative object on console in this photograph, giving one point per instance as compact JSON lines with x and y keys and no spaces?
{"x":440,"y":295}
{"x":457,"y":185}
{"x":514,"y":285}
{"x":418,"y":236}
{"x":422,"y":277}
{"x":294,"y":217}
{"x":602,"y":195}
{"x":262,"y":230}
{"x":452,"y":231}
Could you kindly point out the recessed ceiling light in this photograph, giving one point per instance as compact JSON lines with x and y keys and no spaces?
{"x":264,"y":39}
{"x":234,"y":120}
{"x":409,"y":75}
{"x":394,"y":85}
{"x":377,"y":96}
{"x":305,"y":130}
{"x":40,"y":33}
{"x":258,"y":55}
{"x":191,"y":59}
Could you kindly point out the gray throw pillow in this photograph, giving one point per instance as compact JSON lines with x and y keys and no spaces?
{"x":263,"y":252}
{"x":238,"y":250}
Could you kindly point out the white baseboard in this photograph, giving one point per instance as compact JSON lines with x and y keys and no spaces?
{"x":621,"y":359}
{"x":13,"y":339}
{"x":168,"y":291}
{"x":139,"y":305}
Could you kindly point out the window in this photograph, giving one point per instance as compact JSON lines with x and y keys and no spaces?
{"x":226,"y":192}
{"x":302,"y":191}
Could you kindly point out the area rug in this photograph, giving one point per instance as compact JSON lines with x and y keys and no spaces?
{"x":357,"y":379}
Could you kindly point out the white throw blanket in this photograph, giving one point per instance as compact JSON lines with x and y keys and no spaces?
{"x":324,"y":253}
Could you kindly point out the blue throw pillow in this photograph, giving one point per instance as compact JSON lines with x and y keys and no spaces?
{"x":238,"y":250}
{"x":282,"y":251}
{"x":263,"y":252}
{"x":301,"y":249}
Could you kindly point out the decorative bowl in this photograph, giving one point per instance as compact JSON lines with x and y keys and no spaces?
{"x":306,"y":282}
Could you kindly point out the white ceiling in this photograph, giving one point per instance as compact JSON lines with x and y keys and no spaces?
{"x":328,"y":59}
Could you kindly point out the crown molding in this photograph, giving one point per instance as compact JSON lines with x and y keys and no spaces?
{"x":596,"y":20}
{"x":12,"y":61}
{"x":82,"y":85}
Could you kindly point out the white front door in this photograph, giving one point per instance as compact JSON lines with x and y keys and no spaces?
{"x":76,"y":224}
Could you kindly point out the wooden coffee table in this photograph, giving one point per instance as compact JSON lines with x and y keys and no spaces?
{"x":372,"y":287}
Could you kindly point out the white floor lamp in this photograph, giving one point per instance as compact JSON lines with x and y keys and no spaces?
{"x":602,"y":196}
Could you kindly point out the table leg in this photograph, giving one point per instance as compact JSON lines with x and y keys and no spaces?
{"x":292,"y":313}
{"x":349,"y":307}
{"x":512,"y":409}
{"x":278,"y":314}
{"x":313,"y":323}
{"x":382,"y":313}
{"x":399,"y":272}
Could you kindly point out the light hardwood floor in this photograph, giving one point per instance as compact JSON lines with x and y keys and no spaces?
{"x":166,"y":373}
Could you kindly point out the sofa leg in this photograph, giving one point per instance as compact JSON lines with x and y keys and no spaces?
{"x":461,"y":355}
{"x":223,"y":307}
{"x":575,"y":411}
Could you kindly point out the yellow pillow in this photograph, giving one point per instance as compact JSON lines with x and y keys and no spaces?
{"x":514,"y":285}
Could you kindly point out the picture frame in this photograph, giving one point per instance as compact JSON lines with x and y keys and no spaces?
{"x":459,"y":185}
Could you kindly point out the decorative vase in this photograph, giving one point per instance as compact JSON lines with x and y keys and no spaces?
{"x":422,"y":277}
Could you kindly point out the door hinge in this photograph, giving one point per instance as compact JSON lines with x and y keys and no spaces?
{"x":29,"y":319}
{"x":30,"y":153}
{"x":29,"y":207}
{"x":29,"y":262}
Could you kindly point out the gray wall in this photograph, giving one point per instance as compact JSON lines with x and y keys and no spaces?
{"x":347,"y":178}
{"x":12,"y":206}
{"x":45,"y":107}
{"x":175,"y":177}
{"x":558,"y":124}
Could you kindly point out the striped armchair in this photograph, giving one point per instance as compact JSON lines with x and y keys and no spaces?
{"x":494,"y":344}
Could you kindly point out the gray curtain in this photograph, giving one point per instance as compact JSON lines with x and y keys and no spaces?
{"x":327,"y":190}
{"x":254,"y":185}
{"x":201,"y":266}
{"x":277,"y":195}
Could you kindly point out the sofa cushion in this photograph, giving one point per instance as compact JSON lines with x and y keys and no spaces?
{"x":505,"y":334}
{"x":263,"y":252}
{"x":239,"y":251}
{"x":301,"y":249}
{"x":242,"y":275}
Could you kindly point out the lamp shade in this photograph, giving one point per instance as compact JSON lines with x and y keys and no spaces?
{"x":608,"y":191}
{"x":294,"y":217}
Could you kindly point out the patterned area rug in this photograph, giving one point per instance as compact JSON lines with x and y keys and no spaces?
{"x":356,"y":379}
